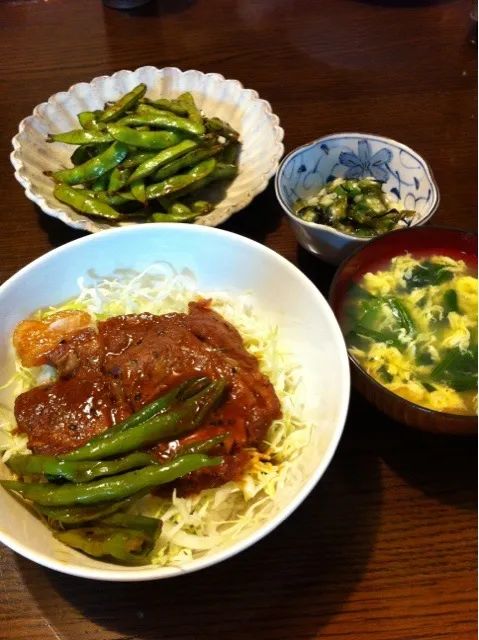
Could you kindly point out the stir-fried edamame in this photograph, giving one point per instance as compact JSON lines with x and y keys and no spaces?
{"x":146,"y":159}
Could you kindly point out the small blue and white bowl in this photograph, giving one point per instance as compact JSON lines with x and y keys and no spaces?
{"x":302,"y":173}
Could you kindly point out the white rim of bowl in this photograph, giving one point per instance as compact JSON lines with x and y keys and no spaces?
{"x":351,"y":134}
{"x":155,"y":573}
{"x":90,"y":225}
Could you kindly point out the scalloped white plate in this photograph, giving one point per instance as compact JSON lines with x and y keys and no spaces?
{"x":259,"y":128}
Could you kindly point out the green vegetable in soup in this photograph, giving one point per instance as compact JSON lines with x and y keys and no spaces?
{"x":450,"y":302}
{"x":428,"y":273}
{"x":413,"y":327}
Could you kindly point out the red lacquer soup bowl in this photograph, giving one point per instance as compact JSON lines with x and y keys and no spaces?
{"x":418,"y":241}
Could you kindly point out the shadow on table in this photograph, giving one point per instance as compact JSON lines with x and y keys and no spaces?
{"x":288,"y":585}
{"x":257,"y":220}
{"x":57,"y":231}
{"x":319,"y":272}
{"x":442,"y":467}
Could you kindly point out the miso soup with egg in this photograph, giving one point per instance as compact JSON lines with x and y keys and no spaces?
{"x":412,"y":325}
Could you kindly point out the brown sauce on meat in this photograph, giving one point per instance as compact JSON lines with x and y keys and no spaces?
{"x":133,"y":359}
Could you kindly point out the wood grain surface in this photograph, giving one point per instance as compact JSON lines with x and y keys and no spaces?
{"x":385,"y":547}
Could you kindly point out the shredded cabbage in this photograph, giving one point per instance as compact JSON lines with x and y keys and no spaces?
{"x":214,"y":518}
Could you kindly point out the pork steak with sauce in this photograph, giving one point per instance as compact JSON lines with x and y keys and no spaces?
{"x":107,"y":375}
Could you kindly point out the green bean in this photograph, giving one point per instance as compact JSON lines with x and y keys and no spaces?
{"x":128,"y":546}
{"x":177,"y":212}
{"x":166,"y":105}
{"x":76,"y":471}
{"x":160,"y":405}
{"x":179,"y":209}
{"x":139,"y":158}
{"x":81,"y":155}
{"x":177,"y":183}
{"x":149,"y":526}
{"x":185,"y":416}
{"x":113,"y":199}
{"x":221,"y":172}
{"x":193,"y":386}
{"x":201,"y":207}
{"x":203,"y":446}
{"x":93,"y":168}
{"x":180,"y":121}
{"x":144,"y":139}
{"x":80,"y":136}
{"x":151,"y":117}
{"x":84,"y":203}
{"x":138,"y":189}
{"x":88,"y":119}
{"x":189,"y":160}
{"x":118,"y":108}
{"x":219,"y":127}
{"x":114,"y":488}
{"x":230,"y":153}
{"x":166,"y":202}
{"x":187,"y":101}
{"x":101,"y":183}
{"x":450,"y":302}
{"x":118,"y":179}
{"x":159,"y":216}
{"x":162,"y":158}
{"x":99,"y":148}
{"x":70,"y":516}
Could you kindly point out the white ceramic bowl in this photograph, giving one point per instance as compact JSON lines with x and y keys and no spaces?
{"x":304,"y":171}
{"x":261,"y":135}
{"x":221,"y":261}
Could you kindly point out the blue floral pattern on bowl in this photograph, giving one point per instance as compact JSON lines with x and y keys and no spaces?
{"x":364,"y":164}
{"x":406,"y":176}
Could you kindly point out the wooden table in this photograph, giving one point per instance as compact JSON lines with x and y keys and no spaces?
{"x":385,"y":547}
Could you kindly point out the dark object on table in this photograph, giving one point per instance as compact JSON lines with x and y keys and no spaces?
{"x":472,"y":35}
{"x":125,"y":4}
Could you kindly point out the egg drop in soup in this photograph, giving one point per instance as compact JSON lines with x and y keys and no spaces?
{"x":412,"y":325}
